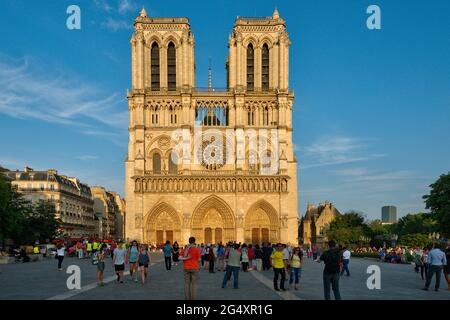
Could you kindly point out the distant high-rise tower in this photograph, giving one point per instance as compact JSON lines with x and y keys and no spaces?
{"x":389,"y":214}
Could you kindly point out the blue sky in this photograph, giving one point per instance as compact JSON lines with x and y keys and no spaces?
{"x":372,"y":107}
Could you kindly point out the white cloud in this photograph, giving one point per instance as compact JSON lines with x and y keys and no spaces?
{"x":350,"y":172}
{"x":103,"y":5}
{"x":333,"y":145}
{"x":54,"y":97}
{"x":387,"y":176}
{"x":328,"y":151}
{"x":126,"y":6}
{"x":116,"y":10}
{"x":116,"y":24}
{"x":87,"y":157}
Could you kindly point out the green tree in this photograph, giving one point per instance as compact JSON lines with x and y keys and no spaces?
{"x":438,"y":202}
{"x":376,"y":227}
{"x":347,"y":228}
{"x":378,"y":233}
{"x":41,"y":223}
{"x":415,"y":240}
{"x":415,"y":223}
{"x":13,"y":210}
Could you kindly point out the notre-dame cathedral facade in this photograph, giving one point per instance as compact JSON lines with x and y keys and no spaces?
{"x":217,"y":164}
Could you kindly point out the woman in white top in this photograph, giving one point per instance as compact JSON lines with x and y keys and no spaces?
{"x":60,"y":254}
{"x":245,"y":260}
{"x":295,"y":267}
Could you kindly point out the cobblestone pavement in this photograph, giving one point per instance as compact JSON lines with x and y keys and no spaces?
{"x":42,"y":280}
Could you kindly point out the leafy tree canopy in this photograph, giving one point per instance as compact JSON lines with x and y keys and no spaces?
{"x":22,"y":221}
{"x":438,"y":202}
{"x":347,"y":228}
{"x":415,"y":223}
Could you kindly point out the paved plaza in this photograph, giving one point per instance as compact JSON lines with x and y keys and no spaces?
{"x":42,"y":280}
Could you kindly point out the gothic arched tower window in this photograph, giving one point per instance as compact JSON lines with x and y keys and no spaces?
{"x":171,"y":67}
{"x":156,"y":163}
{"x":155,"y":66}
{"x":265,"y":67}
{"x":250,"y":68}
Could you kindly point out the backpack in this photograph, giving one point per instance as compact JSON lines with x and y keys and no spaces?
{"x":94,"y":258}
{"x":332,"y":261}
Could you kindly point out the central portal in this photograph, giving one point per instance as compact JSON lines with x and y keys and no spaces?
{"x":213,"y":222}
{"x":213,"y":226}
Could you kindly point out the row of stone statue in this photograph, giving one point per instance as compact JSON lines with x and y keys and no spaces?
{"x":276,"y":184}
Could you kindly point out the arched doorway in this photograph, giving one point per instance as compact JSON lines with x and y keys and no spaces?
{"x":213,"y":225}
{"x":213,"y":221}
{"x":261,"y":224}
{"x":163,"y":223}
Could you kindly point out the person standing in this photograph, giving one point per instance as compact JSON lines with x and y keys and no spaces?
{"x":84,"y":248}
{"x":175,"y":253}
{"x":345,"y":261}
{"x":113,"y":247}
{"x":436,"y":262}
{"x":89,"y":249}
{"x":251,"y":256}
{"x":286,"y":254}
{"x":202,"y":254}
{"x":167,"y":249}
{"x":143,"y":260}
{"x":267,"y":252}
{"x":101,"y":265}
{"x":245,"y":259}
{"x":424,"y":258}
{"x":279,"y":267}
{"x":220,"y":257}
{"x":447,"y":266}
{"x":295,"y":265}
{"x":119,"y":260}
{"x":190,"y":257}
{"x":60,"y":252}
{"x":233,"y":265}
{"x":417,"y":260}
{"x":258,"y":254}
{"x":36,"y":248}
{"x":212,"y":259}
{"x":79,"y":250}
{"x":331,"y":258}
{"x":206,"y":256}
{"x":132,"y":257}
{"x":314,"y":251}
{"x":225,"y":255}
{"x":95,"y":246}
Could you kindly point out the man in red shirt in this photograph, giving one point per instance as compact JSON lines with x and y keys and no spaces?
{"x":190,"y":256}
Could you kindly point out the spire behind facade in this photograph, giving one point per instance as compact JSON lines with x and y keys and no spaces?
{"x":209,"y":76}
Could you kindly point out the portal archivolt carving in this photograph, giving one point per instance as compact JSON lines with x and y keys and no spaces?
{"x":261,"y":223}
{"x":163,"y":219}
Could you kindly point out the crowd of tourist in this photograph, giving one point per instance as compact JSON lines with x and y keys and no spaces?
{"x":231,"y":258}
